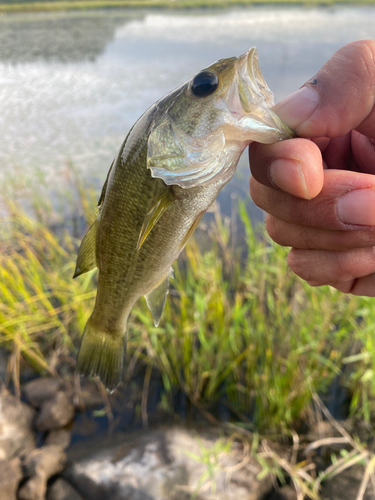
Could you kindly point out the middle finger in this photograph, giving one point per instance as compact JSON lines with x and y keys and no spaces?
{"x":346,"y":202}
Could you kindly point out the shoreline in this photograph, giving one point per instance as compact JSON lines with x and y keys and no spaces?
{"x":63,"y":5}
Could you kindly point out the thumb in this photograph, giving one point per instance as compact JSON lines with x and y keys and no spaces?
{"x":338,"y":99}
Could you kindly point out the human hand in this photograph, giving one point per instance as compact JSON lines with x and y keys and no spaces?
{"x":320,"y":193}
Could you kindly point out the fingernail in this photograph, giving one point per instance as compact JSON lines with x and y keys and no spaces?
{"x":297,"y":107}
{"x":287,"y":174}
{"x":357,"y":207}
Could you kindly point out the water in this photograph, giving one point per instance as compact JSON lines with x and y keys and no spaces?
{"x":72,"y":84}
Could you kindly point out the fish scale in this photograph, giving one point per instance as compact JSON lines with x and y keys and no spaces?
{"x":169,"y":170}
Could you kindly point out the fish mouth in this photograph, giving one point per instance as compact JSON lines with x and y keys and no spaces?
{"x":249,"y":101}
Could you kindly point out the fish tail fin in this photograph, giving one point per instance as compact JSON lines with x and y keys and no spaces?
{"x":101,"y":354}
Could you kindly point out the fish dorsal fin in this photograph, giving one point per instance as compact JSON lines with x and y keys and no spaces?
{"x":160,"y":205}
{"x":157,"y":297}
{"x":177,"y":158}
{"x":86,"y":259}
{"x":104,"y":188}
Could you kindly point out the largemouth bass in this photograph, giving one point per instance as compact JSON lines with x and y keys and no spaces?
{"x":169,"y":170}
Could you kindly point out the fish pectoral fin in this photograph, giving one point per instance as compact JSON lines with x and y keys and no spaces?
{"x":86,"y":259}
{"x":157,"y":297}
{"x":192,"y":228}
{"x":160,"y":205}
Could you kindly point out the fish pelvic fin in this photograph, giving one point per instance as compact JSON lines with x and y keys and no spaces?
{"x":160,"y":205}
{"x":157,"y":298}
{"x":86,"y":259}
{"x":101,"y":354}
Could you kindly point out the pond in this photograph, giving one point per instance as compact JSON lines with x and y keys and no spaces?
{"x":72,"y":84}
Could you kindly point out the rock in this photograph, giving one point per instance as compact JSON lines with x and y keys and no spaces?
{"x":10,"y":476}
{"x":288,"y":493}
{"x":346,"y":485}
{"x":56,"y":412}
{"x":170,"y":464}
{"x":62,"y":490}
{"x":84,"y":426}
{"x":89,"y":395}
{"x":45,"y":461}
{"x":40,"y":465}
{"x":34,"y":489}
{"x":60,"y":437}
{"x":16,"y":429}
{"x":40,"y":390}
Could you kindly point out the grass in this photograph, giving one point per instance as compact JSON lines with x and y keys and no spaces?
{"x":41,"y":308}
{"x":298,"y":464}
{"x":238,"y":326}
{"x":53,"y":5}
{"x":251,"y":334}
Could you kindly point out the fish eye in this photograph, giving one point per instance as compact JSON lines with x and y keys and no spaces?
{"x":204,"y":84}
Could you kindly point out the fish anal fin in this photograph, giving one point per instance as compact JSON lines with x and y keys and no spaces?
{"x":157,"y":297}
{"x":193,"y":227}
{"x":86,"y":259}
{"x":160,"y":205}
{"x":101,"y":354}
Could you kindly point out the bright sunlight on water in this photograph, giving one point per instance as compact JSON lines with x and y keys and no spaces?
{"x":72,"y":84}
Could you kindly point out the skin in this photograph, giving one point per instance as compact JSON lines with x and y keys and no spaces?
{"x":319,"y":189}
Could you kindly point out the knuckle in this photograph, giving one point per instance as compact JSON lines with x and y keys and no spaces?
{"x":371,"y":255}
{"x":361,"y":55}
{"x":310,"y":215}
{"x":341,"y":265}
{"x":256,"y":192}
{"x":297,"y":264}
{"x":273,"y":230}
{"x":306,"y":265}
{"x":366,"y":59}
{"x":365,"y":52}
{"x":308,"y":239}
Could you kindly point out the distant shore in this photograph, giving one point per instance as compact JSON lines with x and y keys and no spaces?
{"x":55,"y":5}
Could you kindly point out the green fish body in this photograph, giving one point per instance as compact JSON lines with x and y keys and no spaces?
{"x":168,"y":172}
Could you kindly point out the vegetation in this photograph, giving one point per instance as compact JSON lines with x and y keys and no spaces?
{"x":238,"y":326}
{"x":296,"y":464}
{"x":48,"y":5}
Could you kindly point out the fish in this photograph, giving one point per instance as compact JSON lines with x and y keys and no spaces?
{"x":169,"y":170}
